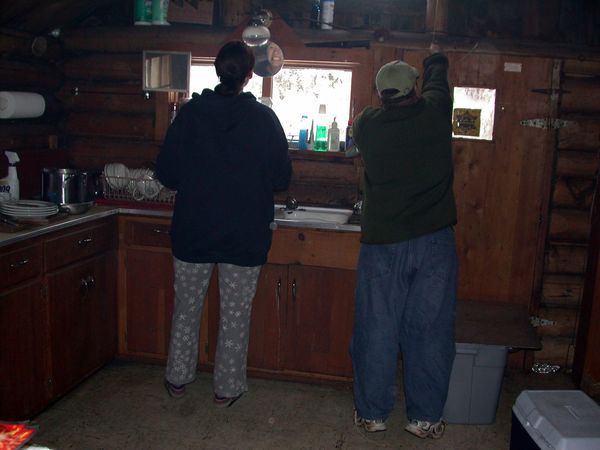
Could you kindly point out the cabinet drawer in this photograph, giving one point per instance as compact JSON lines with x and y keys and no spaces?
{"x":69,"y":247}
{"x":20,"y":265}
{"x":148,"y":233}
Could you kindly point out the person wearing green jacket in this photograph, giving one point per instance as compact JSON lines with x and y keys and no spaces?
{"x":407,"y":268}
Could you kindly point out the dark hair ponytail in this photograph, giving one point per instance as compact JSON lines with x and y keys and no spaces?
{"x":233,"y":64}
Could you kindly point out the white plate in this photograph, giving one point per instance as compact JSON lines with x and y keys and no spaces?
{"x":28,"y":208}
{"x":27,"y":204}
{"x":25,"y":216}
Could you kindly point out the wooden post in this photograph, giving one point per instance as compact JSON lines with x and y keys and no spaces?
{"x":436,"y":20}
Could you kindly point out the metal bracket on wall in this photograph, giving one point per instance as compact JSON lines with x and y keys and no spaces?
{"x":548,"y":123}
{"x":540,"y":322}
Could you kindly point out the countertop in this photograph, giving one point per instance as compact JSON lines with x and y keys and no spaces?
{"x":101,"y":211}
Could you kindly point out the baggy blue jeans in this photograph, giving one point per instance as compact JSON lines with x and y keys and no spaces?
{"x":405,"y":304}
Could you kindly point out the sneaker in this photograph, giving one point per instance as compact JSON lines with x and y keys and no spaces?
{"x":370,"y":425}
{"x":174,"y":390}
{"x":424,"y":429}
{"x":225,"y":402}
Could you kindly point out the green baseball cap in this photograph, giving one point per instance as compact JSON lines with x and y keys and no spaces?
{"x":396,"y":75}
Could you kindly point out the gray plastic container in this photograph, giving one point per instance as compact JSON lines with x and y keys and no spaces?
{"x":555,"y":420}
{"x":475,"y":384}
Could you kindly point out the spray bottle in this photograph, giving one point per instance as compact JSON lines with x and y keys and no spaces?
{"x":9,"y":185}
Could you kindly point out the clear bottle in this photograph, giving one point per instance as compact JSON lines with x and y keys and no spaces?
{"x":327,"y":7}
{"x":320,"y":144}
{"x":333,"y":138}
{"x":303,"y":134}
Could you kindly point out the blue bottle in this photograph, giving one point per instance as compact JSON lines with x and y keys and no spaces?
{"x":303,"y":134}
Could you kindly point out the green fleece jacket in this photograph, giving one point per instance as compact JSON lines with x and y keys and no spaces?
{"x":407,"y":158}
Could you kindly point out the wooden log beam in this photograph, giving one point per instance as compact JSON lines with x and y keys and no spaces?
{"x":563,"y":258}
{"x":436,"y":19}
{"x":565,"y":321}
{"x":583,"y":136}
{"x":562,"y":290}
{"x":105,"y":67}
{"x":26,"y":46}
{"x":573,"y":163}
{"x":569,"y":225}
{"x":106,"y":124}
{"x":34,"y":77}
{"x":573,"y":193}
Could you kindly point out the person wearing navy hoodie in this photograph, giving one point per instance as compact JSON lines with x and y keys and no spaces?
{"x":225,"y":154}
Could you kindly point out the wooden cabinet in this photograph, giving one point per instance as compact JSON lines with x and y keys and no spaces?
{"x":82,"y":319}
{"x":23,"y":331}
{"x":57,"y":315}
{"x":302,"y":313}
{"x":81,"y":290}
{"x":146,"y":290}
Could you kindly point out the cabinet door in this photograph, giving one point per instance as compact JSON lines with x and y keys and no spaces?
{"x":265,"y":324}
{"x":319,"y":319}
{"x":22,"y":348}
{"x":149,"y":281}
{"x":82,"y":320}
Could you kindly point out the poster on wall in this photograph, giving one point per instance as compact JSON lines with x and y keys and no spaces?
{"x":466,"y":122}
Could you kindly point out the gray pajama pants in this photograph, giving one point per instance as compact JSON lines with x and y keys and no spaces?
{"x":237,"y":286}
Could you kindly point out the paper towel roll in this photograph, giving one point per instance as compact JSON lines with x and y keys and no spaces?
{"x":21,"y":105}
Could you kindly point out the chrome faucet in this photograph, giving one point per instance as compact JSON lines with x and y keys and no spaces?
{"x":291,"y":203}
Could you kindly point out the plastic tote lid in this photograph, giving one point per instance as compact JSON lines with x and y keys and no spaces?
{"x":559,"y":420}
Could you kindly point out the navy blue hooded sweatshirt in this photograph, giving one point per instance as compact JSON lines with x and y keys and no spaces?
{"x":225,"y":156}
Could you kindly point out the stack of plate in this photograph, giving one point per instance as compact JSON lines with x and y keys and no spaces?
{"x":28,"y":209}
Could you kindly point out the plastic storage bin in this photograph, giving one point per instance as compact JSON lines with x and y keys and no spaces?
{"x":555,"y":420}
{"x":475,"y":384}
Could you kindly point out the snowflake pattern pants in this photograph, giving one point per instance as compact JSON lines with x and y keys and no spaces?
{"x":237,"y":286}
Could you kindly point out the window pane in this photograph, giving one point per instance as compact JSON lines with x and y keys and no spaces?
{"x":204,"y":76}
{"x":473,"y":116}
{"x":299,"y":91}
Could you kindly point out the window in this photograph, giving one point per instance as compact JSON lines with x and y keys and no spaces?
{"x":298,"y":89}
{"x":473,"y":115}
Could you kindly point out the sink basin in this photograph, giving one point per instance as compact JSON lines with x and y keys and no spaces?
{"x":312,"y":214}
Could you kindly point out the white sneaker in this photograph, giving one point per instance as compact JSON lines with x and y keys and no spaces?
{"x":370,"y":425}
{"x":424,"y":429}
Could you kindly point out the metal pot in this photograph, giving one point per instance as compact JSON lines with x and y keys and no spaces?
{"x":69,"y":186}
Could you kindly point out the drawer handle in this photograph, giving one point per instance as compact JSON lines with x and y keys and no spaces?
{"x":161,"y":231}
{"x":294,"y":290}
{"x":18,"y":264}
{"x":86,"y":284}
{"x":84,"y":241}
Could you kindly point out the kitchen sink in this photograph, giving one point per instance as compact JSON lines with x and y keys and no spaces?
{"x":312,"y":214}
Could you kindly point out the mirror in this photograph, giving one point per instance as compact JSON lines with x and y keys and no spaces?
{"x":268,"y":59}
{"x":166,"y":71}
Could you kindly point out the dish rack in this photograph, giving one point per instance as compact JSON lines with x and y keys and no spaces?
{"x":136,"y":189}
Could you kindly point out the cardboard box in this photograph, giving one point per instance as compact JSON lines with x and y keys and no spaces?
{"x":475,"y":384}
{"x":191,"y":11}
{"x":555,"y":420}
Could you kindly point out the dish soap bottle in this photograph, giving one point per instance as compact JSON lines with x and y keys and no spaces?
{"x":9,"y":185}
{"x":333,"y":137}
{"x":320,"y":144}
